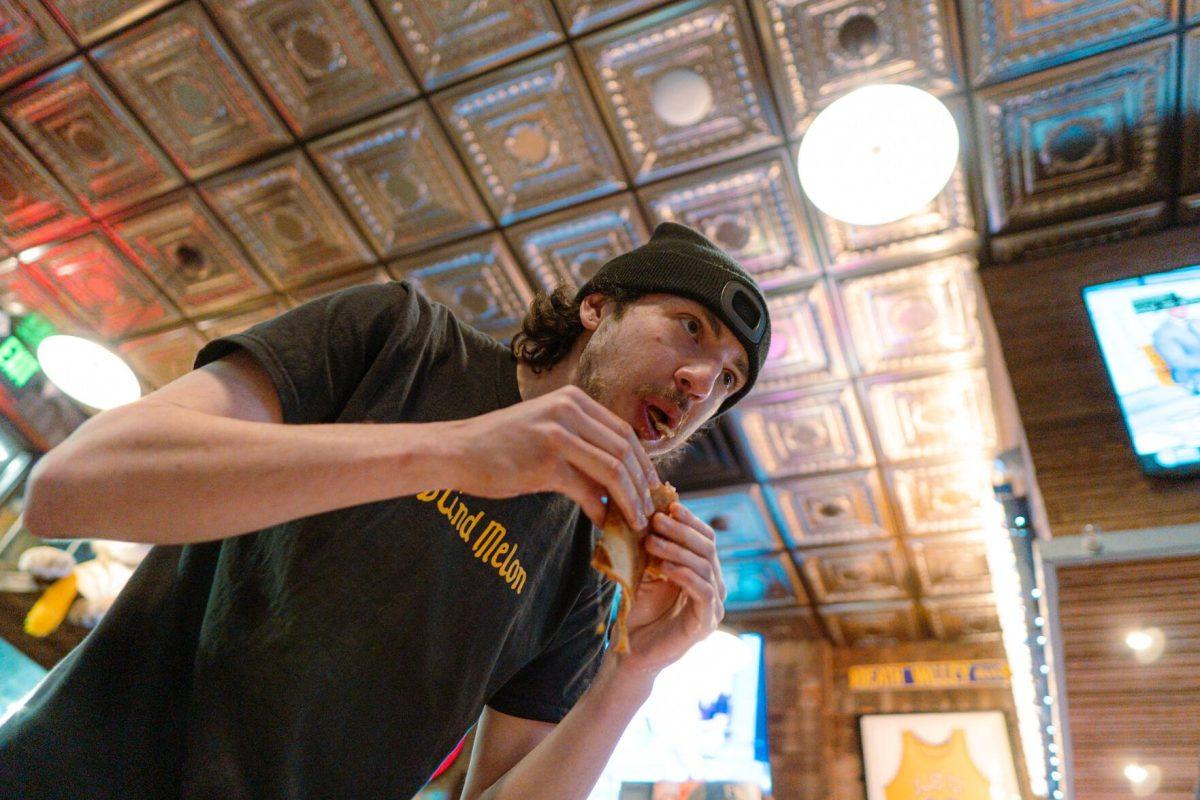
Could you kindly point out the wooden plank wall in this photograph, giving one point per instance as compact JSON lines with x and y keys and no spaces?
{"x":1121,"y":711}
{"x":1082,"y":456}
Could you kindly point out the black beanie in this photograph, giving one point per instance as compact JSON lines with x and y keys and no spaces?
{"x":678,"y":260}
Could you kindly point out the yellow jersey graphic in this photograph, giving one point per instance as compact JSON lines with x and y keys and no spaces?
{"x":937,"y":771}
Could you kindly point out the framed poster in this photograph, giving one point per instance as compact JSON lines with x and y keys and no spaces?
{"x":952,"y":756}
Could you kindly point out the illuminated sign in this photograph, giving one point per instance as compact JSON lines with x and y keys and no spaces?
{"x":930,"y":675}
{"x":32,"y":328}
{"x":17,"y":364}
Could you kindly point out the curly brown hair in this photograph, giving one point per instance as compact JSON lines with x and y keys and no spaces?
{"x":551,"y":325}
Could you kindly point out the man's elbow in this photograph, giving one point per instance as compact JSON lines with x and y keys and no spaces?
{"x":46,"y":499}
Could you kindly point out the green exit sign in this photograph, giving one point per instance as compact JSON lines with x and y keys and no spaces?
{"x":16,"y":362}
{"x":32,"y":328}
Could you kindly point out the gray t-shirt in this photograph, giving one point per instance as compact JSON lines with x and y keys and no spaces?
{"x":343,"y":654}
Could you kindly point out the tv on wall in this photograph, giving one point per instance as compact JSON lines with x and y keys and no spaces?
{"x":1149,"y":334}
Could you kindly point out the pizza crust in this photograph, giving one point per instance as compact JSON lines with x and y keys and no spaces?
{"x":620,"y":556}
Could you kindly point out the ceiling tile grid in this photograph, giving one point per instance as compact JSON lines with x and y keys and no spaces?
{"x":171,"y":172}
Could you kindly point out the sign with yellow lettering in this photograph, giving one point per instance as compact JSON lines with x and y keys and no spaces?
{"x":930,"y":675}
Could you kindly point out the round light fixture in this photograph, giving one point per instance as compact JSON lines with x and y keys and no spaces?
{"x":1147,"y":644}
{"x":88,"y":372}
{"x":1144,"y":779}
{"x":878,"y":154}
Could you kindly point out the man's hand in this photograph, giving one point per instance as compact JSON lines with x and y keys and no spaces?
{"x":563,"y":441}
{"x":669,"y":616}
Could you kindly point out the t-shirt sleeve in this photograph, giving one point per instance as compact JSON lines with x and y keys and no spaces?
{"x":317,"y":353}
{"x":549,"y":686}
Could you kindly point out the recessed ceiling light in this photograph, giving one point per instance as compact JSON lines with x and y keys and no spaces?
{"x":1147,"y":644}
{"x":1144,"y":779}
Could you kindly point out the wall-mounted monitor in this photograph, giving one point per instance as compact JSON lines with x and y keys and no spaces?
{"x":1149,"y":334}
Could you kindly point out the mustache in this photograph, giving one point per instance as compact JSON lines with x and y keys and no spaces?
{"x":672,"y":395}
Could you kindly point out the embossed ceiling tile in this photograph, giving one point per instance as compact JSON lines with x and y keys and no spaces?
{"x":766,"y":581}
{"x":566,"y":248}
{"x":1011,"y":37}
{"x":532,"y":137}
{"x":101,"y":287}
{"x":804,"y":345}
{"x":89,"y":20}
{"x":682,"y":87}
{"x":189,"y":90}
{"x":1075,"y":139}
{"x":478,"y":279}
{"x":448,"y":40}
{"x":400,"y":179}
{"x":953,"y":563}
{"x":821,"y":49}
{"x":914,"y":318}
{"x":834,"y":509}
{"x":1081,"y":233}
{"x":805,"y":431}
{"x":189,"y":254}
{"x":943,"y":415}
{"x":1193,"y":10}
{"x":1190,"y":105}
{"x":19,"y":293}
{"x":288,"y":220}
{"x":738,"y":516}
{"x":30,"y":40}
{"x":751,"y":208}
{"x":855,"y":572}
{"x":34,"y":207}
{"x":242,"y":319}
{"x":943,"y":497}
{"x":88,"y":138}
{"x":362,"y":278}
{"x":963,"y":619}
{"x":162,"y":357}
{"x":584,"y":15}
{"x":322,"y":62}
{"x":878,"y":624}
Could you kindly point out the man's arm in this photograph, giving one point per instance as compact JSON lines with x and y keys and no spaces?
{"x":520,"y":758}
{"x":206,"y":457}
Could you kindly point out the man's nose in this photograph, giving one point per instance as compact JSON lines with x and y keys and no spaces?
{"x":697,"y":379}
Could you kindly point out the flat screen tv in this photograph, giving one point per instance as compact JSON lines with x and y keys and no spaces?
{"x":1149,"y":334}
{"x":705,"y":723}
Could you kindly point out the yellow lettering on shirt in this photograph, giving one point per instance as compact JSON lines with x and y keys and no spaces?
{"x":489,"y":546}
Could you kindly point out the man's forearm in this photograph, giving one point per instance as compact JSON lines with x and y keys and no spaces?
{"x":172,"y":475}
{"x":568,"y":762}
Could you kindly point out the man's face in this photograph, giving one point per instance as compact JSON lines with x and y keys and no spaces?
{"x":665,"y":365}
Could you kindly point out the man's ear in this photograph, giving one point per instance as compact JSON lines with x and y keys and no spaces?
{"x":592,"y":309}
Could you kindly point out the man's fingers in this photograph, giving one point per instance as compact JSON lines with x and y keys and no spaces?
{"x":611,"y":473}
{"x":587,"y":493}
{"x":595,"y":411}
{"x":684,"y":514}
{"x":695,"y":540}
{"x":696,"y":588}
{"x":612,"y":443}
{"x":677,"y":554}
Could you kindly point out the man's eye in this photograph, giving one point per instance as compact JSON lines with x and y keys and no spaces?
{"x":730,"y":379}
{"x":691,"y":325}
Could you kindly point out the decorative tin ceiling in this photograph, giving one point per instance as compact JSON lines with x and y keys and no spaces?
{"x":171,"y":172}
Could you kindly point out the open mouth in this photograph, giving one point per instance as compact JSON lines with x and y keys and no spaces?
{"x":659,"y":421}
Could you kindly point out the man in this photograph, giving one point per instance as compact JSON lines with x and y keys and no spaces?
{"x":338,"y":598}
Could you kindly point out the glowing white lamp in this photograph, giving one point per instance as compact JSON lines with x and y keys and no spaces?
{"x":1143,"y":779}
{"x":88,"y":372}
{"x":878,"y":154}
